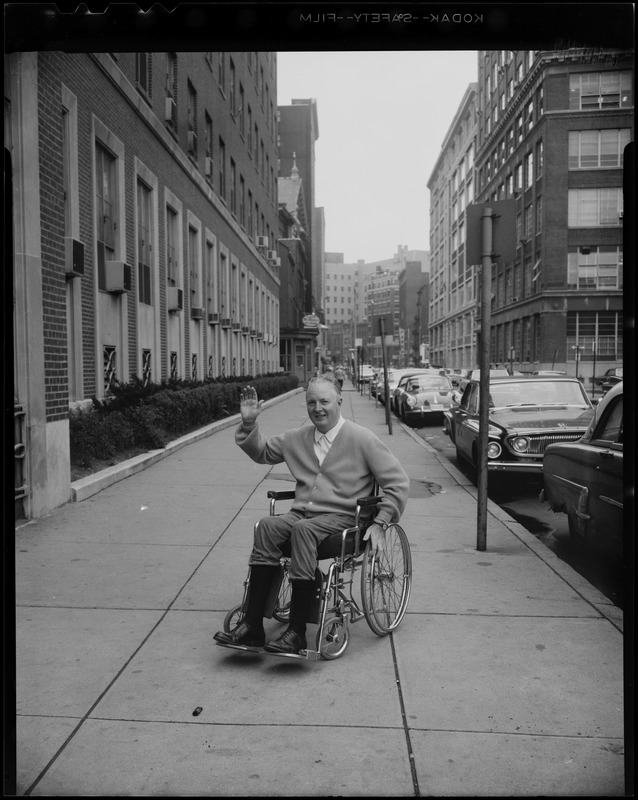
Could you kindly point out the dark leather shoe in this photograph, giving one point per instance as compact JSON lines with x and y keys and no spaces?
{"x":244,"y":635}
{"x":289,"y":643}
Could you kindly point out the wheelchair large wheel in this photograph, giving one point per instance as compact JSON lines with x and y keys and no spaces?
{"x":333,"y":637}
{"x":386,"y":579}
{"x":233,"y":618}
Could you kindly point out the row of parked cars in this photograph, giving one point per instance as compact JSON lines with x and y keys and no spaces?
{"x":543,"y":424}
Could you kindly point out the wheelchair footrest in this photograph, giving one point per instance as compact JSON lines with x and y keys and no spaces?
{"x":302,"y":655}
{"x":241,"y":647}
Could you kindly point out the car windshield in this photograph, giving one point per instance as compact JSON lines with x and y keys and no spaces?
{"x":428,"y":383}
{"x":537,"y":393}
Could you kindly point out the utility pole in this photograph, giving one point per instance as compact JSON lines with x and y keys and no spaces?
{"x":484,"y":237}
{"x":484,"y":386}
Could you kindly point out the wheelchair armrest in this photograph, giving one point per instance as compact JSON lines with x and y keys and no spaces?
{"x":281,"y":495}
{"x":366,"y":502}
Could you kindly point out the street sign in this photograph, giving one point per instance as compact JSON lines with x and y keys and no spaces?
{"x":503,"y":231}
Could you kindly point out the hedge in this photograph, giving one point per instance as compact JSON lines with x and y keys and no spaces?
{"x":148,"y":416}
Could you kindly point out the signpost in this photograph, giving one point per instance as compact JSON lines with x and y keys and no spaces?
{"x":491,"y":234}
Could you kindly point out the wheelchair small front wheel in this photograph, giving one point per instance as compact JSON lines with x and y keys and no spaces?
{"x":333,"y":637}
{"x":233,"y":618}
{"x":386,"y":580}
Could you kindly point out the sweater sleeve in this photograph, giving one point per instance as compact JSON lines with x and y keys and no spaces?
{"x":392,"y":479}
{"x":258,"y":447}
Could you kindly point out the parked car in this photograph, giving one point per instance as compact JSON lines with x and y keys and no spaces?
{"x":394,"y":406}
{"x":584,"y":479}
{"x":611,"y":377}
{"x":526,"y":414}
{"x":394,"y":375}
{"x":366,"y":372}
{"x":421,"y":397}
{"x":475,"y":374}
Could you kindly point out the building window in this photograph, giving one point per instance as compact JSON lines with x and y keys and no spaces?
{"x":242,"y":201}
{"x":529,"y":170}
{"x":233,"y":187}
{"x":171,"y":246}
{"x":144,"y":238}
{"x":539,"y":159}
{"x":539,"y":214}
{"x":599,"y":268}
{"x":232,"y":96}
{"x":106,"y":210}
{"x":603,"y":148}
{"x":192,"y":121}
{"x":193,"y":267}
{"x":242,"y":112}
{"x":173,"y":365}
{"x":221,"y":71}
{"x":143,"y":72}
{"x":598,"y":90}
{"x":589,"y":208}
{"x":171,"y":90}
{"x":599,"y":330}
{"x":222,"y":169}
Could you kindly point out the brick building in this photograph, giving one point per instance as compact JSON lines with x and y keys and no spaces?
{"x":144,"y":202}
{"x":551,"y":133}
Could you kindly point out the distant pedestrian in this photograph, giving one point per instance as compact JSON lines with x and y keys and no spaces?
{"x":340,"y":375}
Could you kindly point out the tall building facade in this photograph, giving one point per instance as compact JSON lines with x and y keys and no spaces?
{"x":453,"y":282}
{"x":297,"y":342}
{"x":298,"y":132}
{"x":552,"y":129}
{"x":144,"y":208}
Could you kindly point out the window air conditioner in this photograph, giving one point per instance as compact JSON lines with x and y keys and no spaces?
{"x":197,"y":312}
{"x":272,"y":255}
{"x":213,"y":319}
{"x":262,"y":241}
{"x":174,"y":299}
{"x":225,"y":321}
{"x":515,"y":299}
{"x":276,"y":262}
{"x":117,"y":277}
{"x":74,"y":257}
{"x":169,"y":110}
{"x":209,"y":167}
{"x":245,"y":330}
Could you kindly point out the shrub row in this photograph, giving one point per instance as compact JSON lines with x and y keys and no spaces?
{"x":146,"y":417}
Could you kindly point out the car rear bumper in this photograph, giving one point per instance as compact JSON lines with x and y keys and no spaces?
{"x":515,"y":466}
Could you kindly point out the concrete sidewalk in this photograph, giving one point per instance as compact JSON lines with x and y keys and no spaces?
{"x":504,"y":679}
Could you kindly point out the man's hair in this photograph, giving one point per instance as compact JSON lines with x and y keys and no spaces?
{"x":326,"y":378}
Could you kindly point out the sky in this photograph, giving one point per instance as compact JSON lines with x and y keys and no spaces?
{"x":382,"y":117}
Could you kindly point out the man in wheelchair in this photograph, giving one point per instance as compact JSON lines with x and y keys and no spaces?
{"x":334,"y":462}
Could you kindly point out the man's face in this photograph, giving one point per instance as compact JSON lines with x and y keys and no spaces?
{"x":324,"y":405}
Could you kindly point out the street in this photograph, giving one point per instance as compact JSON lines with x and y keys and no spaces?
{"x":519,"y":498}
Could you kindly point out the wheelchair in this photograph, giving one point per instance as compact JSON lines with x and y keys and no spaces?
{"x":385,"y":583}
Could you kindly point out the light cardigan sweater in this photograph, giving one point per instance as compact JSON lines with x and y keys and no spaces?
{"x":356,"y":458}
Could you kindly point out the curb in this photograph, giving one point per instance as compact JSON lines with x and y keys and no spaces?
{"x":581,"y":585}
{"x":92,"y":484}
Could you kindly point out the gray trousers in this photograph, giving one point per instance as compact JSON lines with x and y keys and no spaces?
{"x":305,"y":534}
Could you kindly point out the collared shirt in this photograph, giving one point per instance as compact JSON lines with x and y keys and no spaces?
{"x":323,"y":441}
